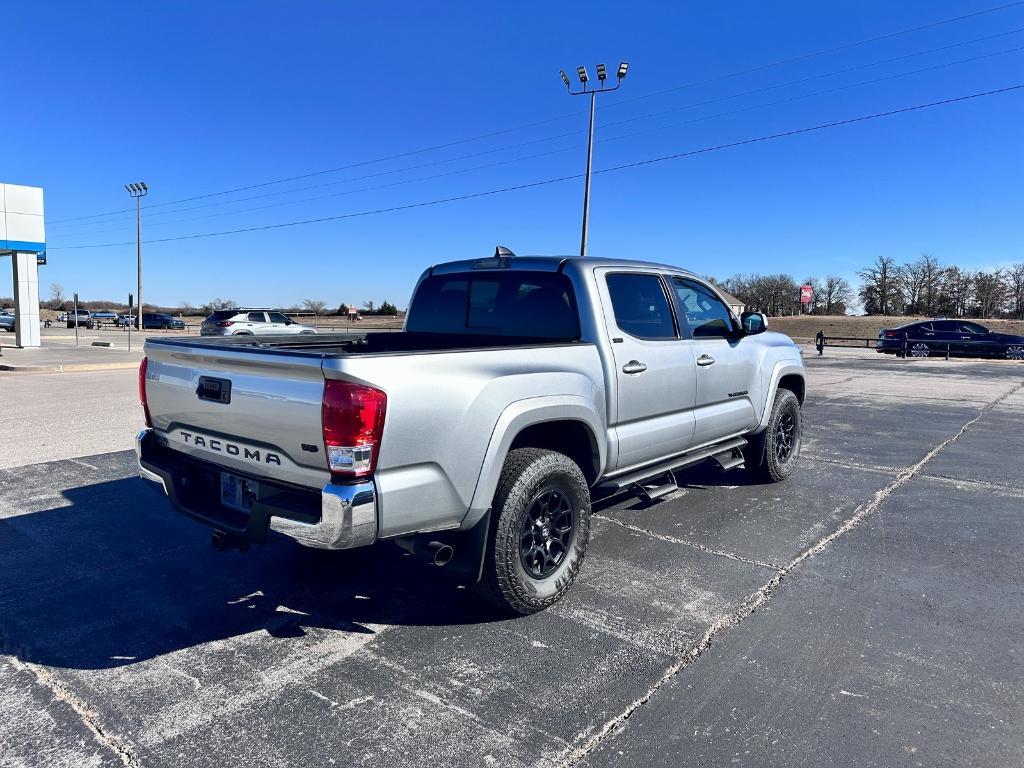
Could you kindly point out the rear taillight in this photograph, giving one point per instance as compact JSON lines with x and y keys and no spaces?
{"x":353,"y":421}
{"x":892,"y":335}
{"x":142,"y":390}
{"x":225,"y":323}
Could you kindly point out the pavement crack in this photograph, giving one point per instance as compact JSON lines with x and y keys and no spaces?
{"x":992,"y":485}
{"x":685,"y":543}
{"x":851,"y":464}
{"x":573,"y":755}
{"x":86,"y":714}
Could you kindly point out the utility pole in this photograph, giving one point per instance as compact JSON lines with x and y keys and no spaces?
{"x":602,"y":77}
{"x":138,"y":191}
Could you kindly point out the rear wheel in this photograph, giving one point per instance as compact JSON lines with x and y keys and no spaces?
{"x":771,"y":456}
{"x":539,"y":531}
{"x":920,"y":349}
{"x":1015,"y":352}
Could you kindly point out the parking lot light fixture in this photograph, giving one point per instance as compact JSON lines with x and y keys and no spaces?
{"x":138,"y":190}
{"x":602,"y":78}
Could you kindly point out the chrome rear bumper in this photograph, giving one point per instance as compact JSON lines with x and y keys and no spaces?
{"x":347,"y":514}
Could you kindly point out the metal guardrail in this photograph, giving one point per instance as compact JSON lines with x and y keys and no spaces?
{"x":821,"y":341}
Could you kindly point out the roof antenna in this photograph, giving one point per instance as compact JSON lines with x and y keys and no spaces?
{"x":501,"y":250}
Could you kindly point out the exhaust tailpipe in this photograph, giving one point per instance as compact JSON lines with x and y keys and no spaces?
{"x":435,"y":552}
{"x":443,"y":553}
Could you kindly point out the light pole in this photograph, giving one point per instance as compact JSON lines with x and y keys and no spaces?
{"x":138,"y":191}
{"x":602,"y":77}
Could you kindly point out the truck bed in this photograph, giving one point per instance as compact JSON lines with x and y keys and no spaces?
{"x":347,"y":344}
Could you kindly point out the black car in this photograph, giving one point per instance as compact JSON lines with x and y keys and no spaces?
{"x":961,"y":337}
{"x":161,"y":321}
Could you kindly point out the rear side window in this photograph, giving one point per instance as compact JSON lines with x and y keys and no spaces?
{"x":641,"y":307}
{"x":526,"y":304}
{"x":221,"y":315}
{"x":257,"y":317}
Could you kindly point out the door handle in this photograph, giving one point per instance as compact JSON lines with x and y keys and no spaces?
{"x":634,"y":366}
{"x":705,"y":360}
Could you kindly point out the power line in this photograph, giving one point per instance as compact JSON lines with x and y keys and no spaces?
{"x":823,"y":51}
{"x":575,"y":133}
{"x":543,"y":182}
{"x":815,"y":93}
{"x":491,"y":134}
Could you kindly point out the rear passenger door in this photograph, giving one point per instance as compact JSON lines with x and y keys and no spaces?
{"x":256,"y":322}
{"x":727,"y":363}
{"x":654,"y":379}
{"x":944,"y":333}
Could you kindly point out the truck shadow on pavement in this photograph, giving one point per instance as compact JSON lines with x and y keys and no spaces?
{"x":117,"y":577}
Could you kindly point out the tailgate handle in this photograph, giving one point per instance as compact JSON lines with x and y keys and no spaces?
{"x":214,"y":389}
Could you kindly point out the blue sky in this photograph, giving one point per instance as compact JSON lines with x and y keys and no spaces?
{"x":197,"y":98}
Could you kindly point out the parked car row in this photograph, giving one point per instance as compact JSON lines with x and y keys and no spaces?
{"x":227,"y":322}
{"x":959,"y":337}
{"x":6,"y":321}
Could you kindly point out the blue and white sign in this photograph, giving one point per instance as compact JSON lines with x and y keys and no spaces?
{"x":21,"y":219}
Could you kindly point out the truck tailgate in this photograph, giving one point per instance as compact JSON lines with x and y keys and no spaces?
{"x":249,"y":410}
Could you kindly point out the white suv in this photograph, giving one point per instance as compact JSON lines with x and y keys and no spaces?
{"x":249,"y":322}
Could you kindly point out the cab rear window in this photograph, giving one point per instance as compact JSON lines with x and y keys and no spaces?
{"x":524,"y":304}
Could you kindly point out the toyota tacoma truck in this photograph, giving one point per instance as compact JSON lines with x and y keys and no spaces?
{"x":518,"y":389}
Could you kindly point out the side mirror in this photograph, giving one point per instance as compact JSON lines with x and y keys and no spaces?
{"x":753,"y":322}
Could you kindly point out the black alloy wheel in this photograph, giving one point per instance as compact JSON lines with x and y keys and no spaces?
{"x":785,"y":436}
{"x":547,"y":531}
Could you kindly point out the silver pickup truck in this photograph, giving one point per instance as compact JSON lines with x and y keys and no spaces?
{"x":518,"y":389}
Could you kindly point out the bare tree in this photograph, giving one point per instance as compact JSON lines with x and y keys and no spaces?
{"x":1015,"y":289}
{"x":836,"y":294}
{"x":214,"y":304}
{"x":369,"y":306}
{"x":910,"y":280}
{"x":880,"y":292}
{"x":989,"y":292}
{"x":57,"y":293}
{"x":931,"y":283}
{"x":956,"y":292}
{"x":314,"y":305}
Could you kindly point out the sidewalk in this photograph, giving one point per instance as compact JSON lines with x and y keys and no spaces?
{"x":65,"y":358}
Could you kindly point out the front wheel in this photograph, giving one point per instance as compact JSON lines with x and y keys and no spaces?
{"x":540,"y":528}
{"x":772,"y":455}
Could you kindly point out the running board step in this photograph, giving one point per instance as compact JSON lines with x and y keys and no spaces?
{"x":626,"y":480}
{"x":656,"y":487}
{"x":730,"y":459}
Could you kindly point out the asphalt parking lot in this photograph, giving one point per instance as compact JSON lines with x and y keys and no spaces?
{"x":869,"y":612}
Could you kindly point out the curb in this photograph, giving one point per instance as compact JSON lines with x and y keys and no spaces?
{"x":70,"y":368}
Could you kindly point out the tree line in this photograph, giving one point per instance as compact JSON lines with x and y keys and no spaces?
{"x":921,"y":287}
{"x":779,"y":294}
{"x":927,"y":287}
